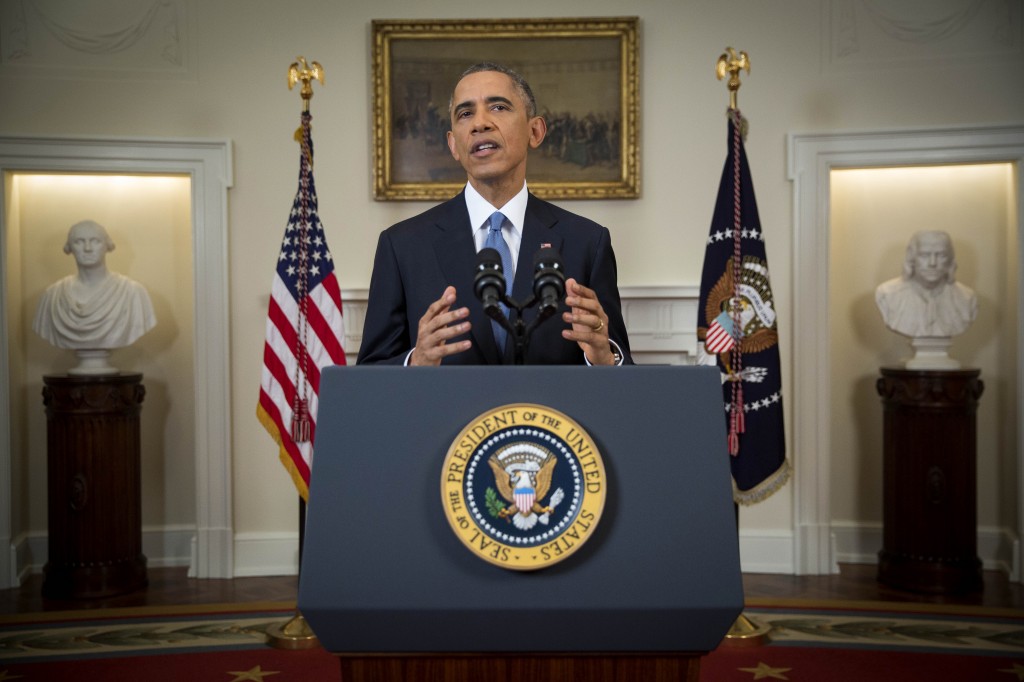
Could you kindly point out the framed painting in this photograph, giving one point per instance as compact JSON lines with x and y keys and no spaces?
{"x":583,"y":73}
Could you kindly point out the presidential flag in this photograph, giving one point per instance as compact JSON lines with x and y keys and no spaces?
{"x":737,"y":331}
{"x":304,"y":327}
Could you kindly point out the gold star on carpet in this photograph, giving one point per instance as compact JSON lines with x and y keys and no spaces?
{"x":255,"y":674}
{"x":4,"y":675}
{"x":763,"y":671}
{"x":1017,"y":670}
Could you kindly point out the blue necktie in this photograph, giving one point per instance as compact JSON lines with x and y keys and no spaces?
{"x":497,"y":242}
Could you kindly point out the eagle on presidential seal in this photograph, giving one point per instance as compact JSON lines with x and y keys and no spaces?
{"x":522,"y":474}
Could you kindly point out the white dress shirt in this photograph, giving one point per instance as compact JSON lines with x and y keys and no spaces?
{"x":515,"y":213}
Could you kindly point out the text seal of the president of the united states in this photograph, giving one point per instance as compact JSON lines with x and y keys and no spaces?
{"x":523,"y":486}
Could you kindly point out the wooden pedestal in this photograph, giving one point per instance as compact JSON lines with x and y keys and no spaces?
{"x":930,"y":480}
{"x":509,"y":667}
{"x":93,"y":486}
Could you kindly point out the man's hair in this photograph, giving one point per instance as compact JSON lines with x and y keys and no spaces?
{"x":520,"y":84}
{"x":909,"y":260}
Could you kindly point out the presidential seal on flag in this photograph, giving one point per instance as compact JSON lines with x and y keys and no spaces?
{"x":523,"y":486}
{"x":749,"y":302}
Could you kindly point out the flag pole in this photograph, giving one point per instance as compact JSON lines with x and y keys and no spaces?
{"x":743,"y":631}
{"x":296,"y":634}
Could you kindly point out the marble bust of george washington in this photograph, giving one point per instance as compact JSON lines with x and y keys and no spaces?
{"x":94,"y":308}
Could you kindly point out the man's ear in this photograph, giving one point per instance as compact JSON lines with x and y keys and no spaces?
{"x":451,"y":146}
{"x":538,"y":129}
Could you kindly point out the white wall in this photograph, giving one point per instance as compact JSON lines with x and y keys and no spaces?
{"x":816,"y":67}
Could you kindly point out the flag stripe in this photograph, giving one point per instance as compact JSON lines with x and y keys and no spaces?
{"x":718,"y":340}
{"x":323,"y":316}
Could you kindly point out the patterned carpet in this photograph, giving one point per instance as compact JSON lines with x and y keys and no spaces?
{"x":809,"y":641}
{"x":840,"y":641}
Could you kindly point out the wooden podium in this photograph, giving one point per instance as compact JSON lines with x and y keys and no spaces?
{"x":930,"y":480}
{"x":508,"y":667}
{"x":93,"y":486}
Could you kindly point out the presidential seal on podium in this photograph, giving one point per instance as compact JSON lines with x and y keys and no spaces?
{"x":523,"y":486}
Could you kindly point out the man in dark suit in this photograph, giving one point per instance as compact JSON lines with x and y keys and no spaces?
{"x":494,"y":124}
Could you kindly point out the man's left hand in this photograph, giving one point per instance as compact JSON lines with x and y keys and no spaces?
{"x":589,"y":323}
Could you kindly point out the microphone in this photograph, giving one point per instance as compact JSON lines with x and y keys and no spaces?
{"x":489,"y":282}
{"x":548,"y":280}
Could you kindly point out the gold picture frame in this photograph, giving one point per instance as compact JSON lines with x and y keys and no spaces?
{"x":584,"y":74}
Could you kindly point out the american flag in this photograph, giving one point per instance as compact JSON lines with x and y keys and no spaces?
{"x":304,"y":327}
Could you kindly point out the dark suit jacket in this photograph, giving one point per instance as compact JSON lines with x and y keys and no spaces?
{"x":417,"y":258}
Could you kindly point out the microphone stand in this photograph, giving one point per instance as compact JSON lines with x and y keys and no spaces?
{"x":548,"y":288}
{"x":518,"y":329}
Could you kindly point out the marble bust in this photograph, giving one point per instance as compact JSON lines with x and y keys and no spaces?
{"x":94,"y":310}
{"x":926,"y":302}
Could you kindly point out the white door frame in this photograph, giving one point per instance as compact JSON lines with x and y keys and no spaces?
{"x":208,"y":164}
{"x":811,"y":160}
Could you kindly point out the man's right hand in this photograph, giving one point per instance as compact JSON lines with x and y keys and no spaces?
{"x":438,"y":326}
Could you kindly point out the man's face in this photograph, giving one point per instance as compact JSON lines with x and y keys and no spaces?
{"x":932,"y":262}
{"x":88,"y":245}
{"x":491,"y":129}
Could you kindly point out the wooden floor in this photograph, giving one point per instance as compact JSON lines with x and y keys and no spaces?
{"x":854,"y":582}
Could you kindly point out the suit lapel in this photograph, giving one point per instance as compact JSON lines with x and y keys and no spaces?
{"x":537,"y":233}
{"x":456,"y":255}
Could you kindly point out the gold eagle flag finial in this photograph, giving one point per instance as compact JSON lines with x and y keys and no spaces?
{"x":306,"y":73}
{"x":731,"y":63}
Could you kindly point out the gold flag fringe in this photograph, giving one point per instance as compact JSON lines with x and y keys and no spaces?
{"x":765,"y":489}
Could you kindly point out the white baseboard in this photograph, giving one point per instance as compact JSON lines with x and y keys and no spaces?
{"x":767,"y":552}
{"x":859,"y":543}
{"x":163,"y":547}
{"x":168,"y":547}
{"x":29,"y":555}
{"x":260,"y":554}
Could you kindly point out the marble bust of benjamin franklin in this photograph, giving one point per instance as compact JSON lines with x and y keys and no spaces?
{"x":926,"y":300}
{"x":93,"y":309}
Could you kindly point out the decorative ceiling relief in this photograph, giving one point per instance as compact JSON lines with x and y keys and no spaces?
{"x":98,"y":38}
{"x":879,"y":33}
